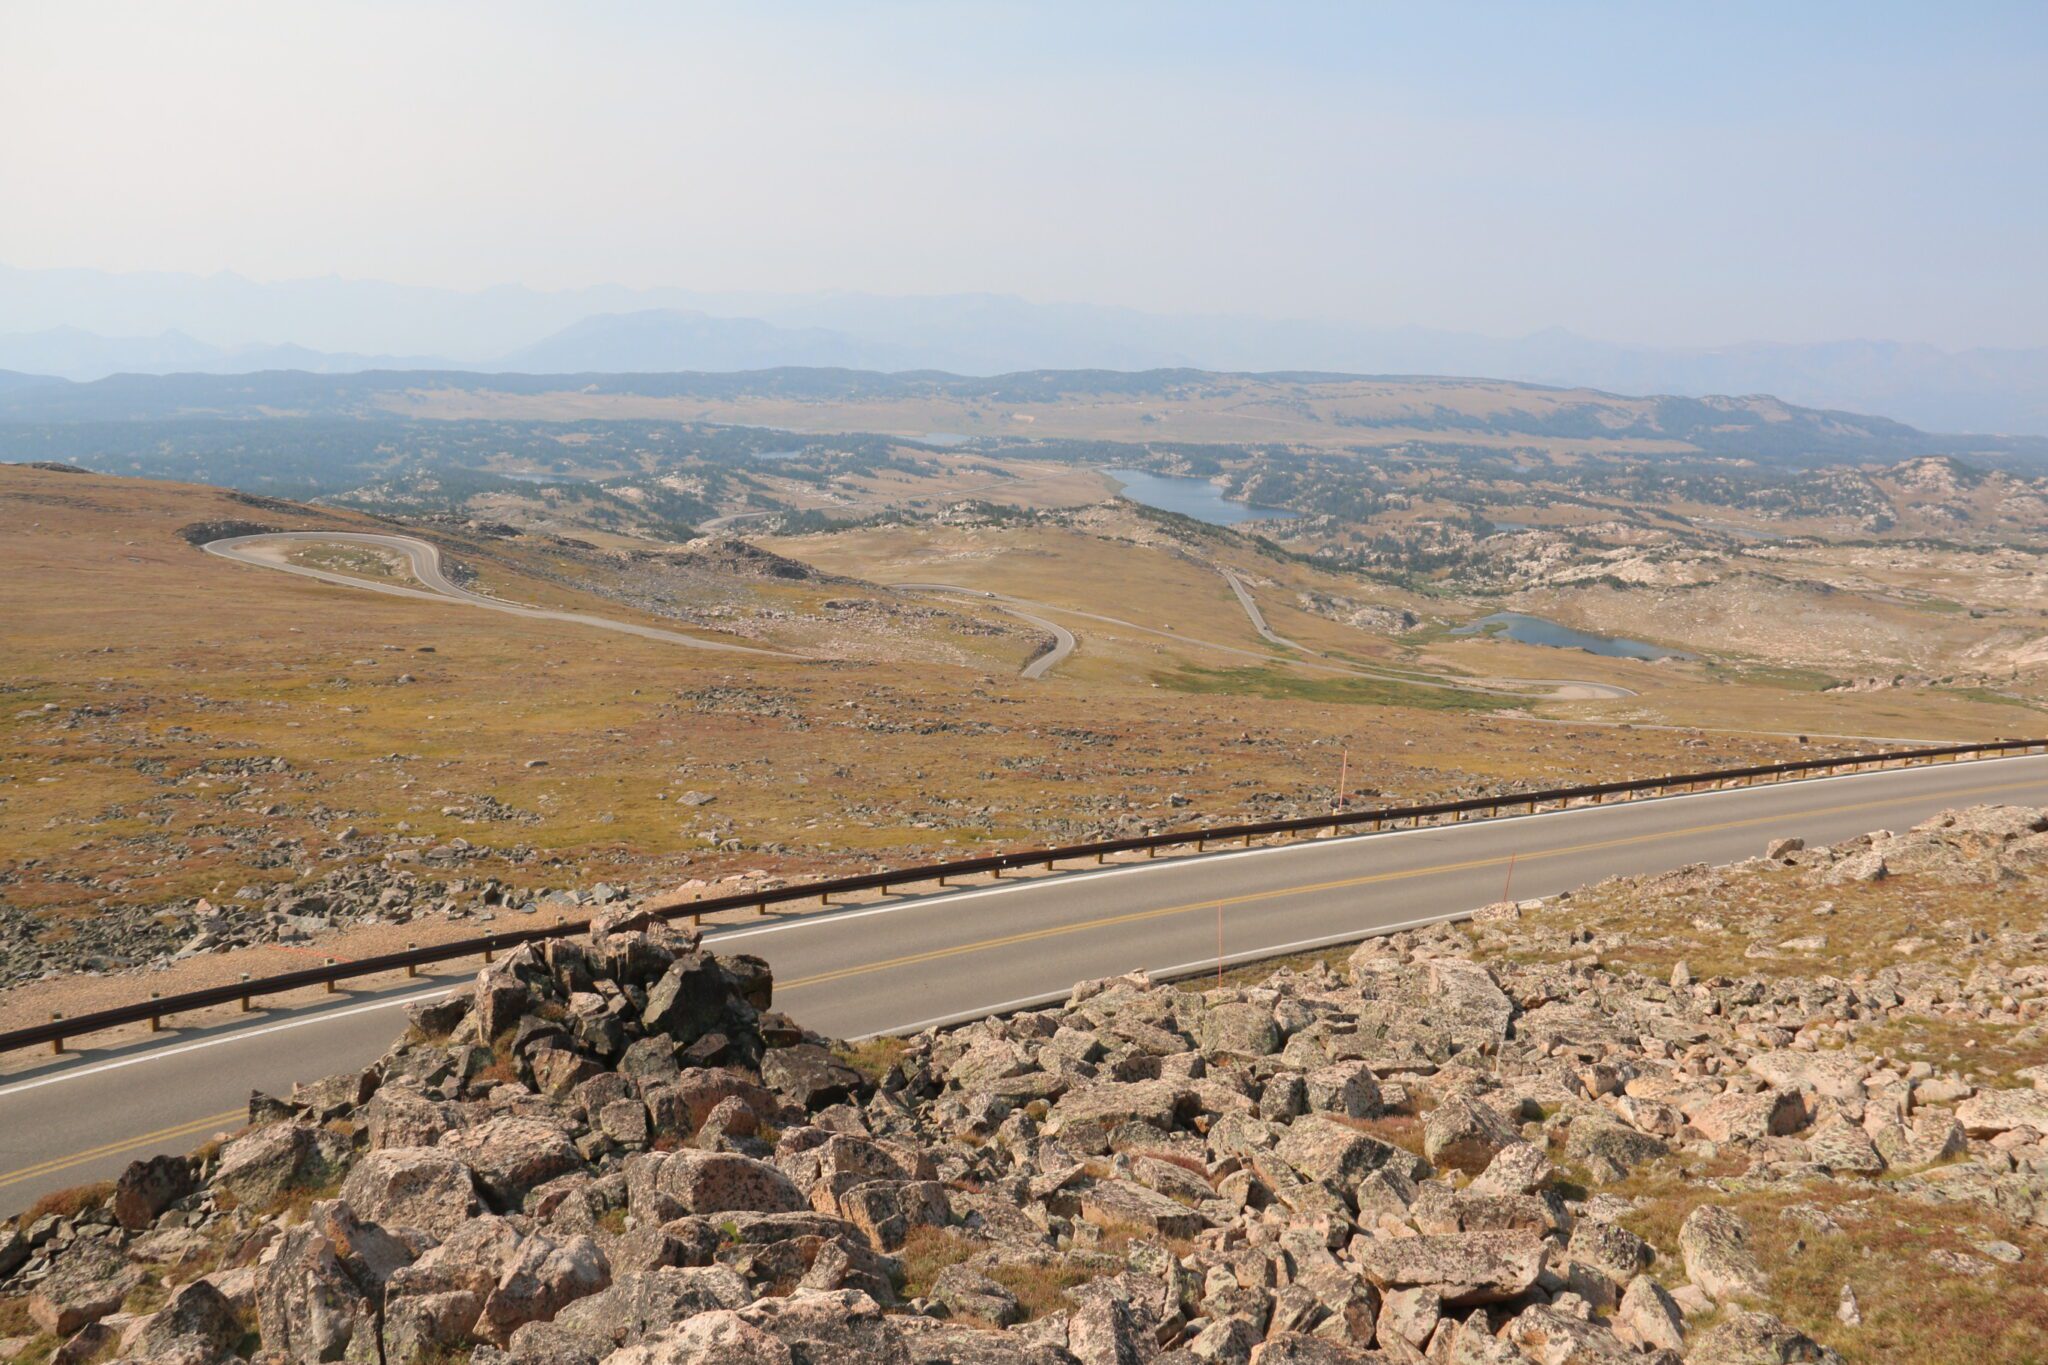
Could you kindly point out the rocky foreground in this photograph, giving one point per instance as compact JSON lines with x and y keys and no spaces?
{"x":612,"y":1150}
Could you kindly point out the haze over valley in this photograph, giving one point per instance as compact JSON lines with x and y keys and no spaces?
{"x":980,"y":684}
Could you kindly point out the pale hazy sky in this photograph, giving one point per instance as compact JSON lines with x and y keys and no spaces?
{"x":1653,"y":172}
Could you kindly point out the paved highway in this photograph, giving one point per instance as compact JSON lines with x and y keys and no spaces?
{"x":917,"y":961}
{"x":424,"y":559}
{"x":1063,"y":641}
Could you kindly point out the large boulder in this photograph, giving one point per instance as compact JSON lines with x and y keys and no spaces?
{"x":1463,"y":1269}
{"x":321,"y":1281}
{"x":89,"y":1282}
{"x":1240,"y":1030}
{"x":1991,"y":1112}
{"x":262,"y":1169}
{"x":1743,"y":1338}
{"x":1715,"y":1244}
{"x":714,"y":1182}
{"x":1466,"y":1134}
{"x":542,"y":1277}
{"x":1322,"y":1149}
{"x":412,"y":1187}
{"x":198,"y":1322}
{"x":809,"y":1076}
{"x":1085,"y":1117}
{"x":1736,"y":1117}
{"x":149,"y":1187}
{"x":510,"y":1155}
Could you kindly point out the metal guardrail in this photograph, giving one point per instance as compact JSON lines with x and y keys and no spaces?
{"x":245,"y":992}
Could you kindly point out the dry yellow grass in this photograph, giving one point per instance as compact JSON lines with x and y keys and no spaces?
{"x":140,"y":672}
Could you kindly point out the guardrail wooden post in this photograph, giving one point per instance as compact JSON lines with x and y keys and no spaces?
{"x":412,"y":969}
{"x":330,"y":986}
{"x":490,"y":950}
{"x":156,"y":1021}
{"x":246,"y":1007}
{"x":56,"y":1044}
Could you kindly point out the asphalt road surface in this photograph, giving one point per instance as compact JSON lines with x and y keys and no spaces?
{"x":917,"y":961}
{"x":424,"y":559}
{"x":1062,"y":639}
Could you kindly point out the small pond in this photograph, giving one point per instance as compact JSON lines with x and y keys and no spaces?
{"x":1534,"y":630}
{"x":1197,"y":498}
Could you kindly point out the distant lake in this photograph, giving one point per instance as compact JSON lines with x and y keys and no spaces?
{"x":1197,"y":498}
{"x":1534,"y":630}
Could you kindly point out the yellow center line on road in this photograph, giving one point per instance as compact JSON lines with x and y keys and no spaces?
{"x":1138,"y":916}
{"x":176,"y":1130}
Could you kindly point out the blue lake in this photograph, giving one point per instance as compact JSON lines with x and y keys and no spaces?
{"x":1534,"y":630}
{"x":1197,"y":498}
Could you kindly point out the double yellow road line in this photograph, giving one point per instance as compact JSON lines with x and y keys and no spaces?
{"x":190,"y":1128}
{"x":1225,"y":902}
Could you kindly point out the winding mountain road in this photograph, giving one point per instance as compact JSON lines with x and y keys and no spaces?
{"x":1561,"y":689}
{"x":271,"y":551}
{"x":912,"y":962}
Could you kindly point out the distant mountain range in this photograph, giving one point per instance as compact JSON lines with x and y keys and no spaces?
{"x":83,"y":325}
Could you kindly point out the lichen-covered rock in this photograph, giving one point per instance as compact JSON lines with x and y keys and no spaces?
{"x":1715,"y":1244}
{"x":1991,"y":1112}
{"x":262,"y":1169}
{"x":1466,"y":1134}
{"x":1747,"y":1338}
{"x":1462,"y":1270}
{"x":512,"y":1155}
{"x":412,"y":1187}
{"x":715,"y":1182}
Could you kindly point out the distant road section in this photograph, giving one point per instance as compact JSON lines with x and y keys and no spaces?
{"x":1563,"y":689}
{"x":1063,"y":641}
{"x":270,"y":551}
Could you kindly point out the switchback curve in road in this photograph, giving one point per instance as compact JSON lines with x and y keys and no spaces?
{"x":918,"y":961}
{"x":1563,"y":689}
{"x":1566,"y":689}
{"x":268,"y":551}
{"x":1063,"y":642}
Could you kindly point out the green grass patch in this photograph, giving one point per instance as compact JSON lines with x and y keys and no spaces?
{"x":1773,"y":675}
{"x":1278,"y":685}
